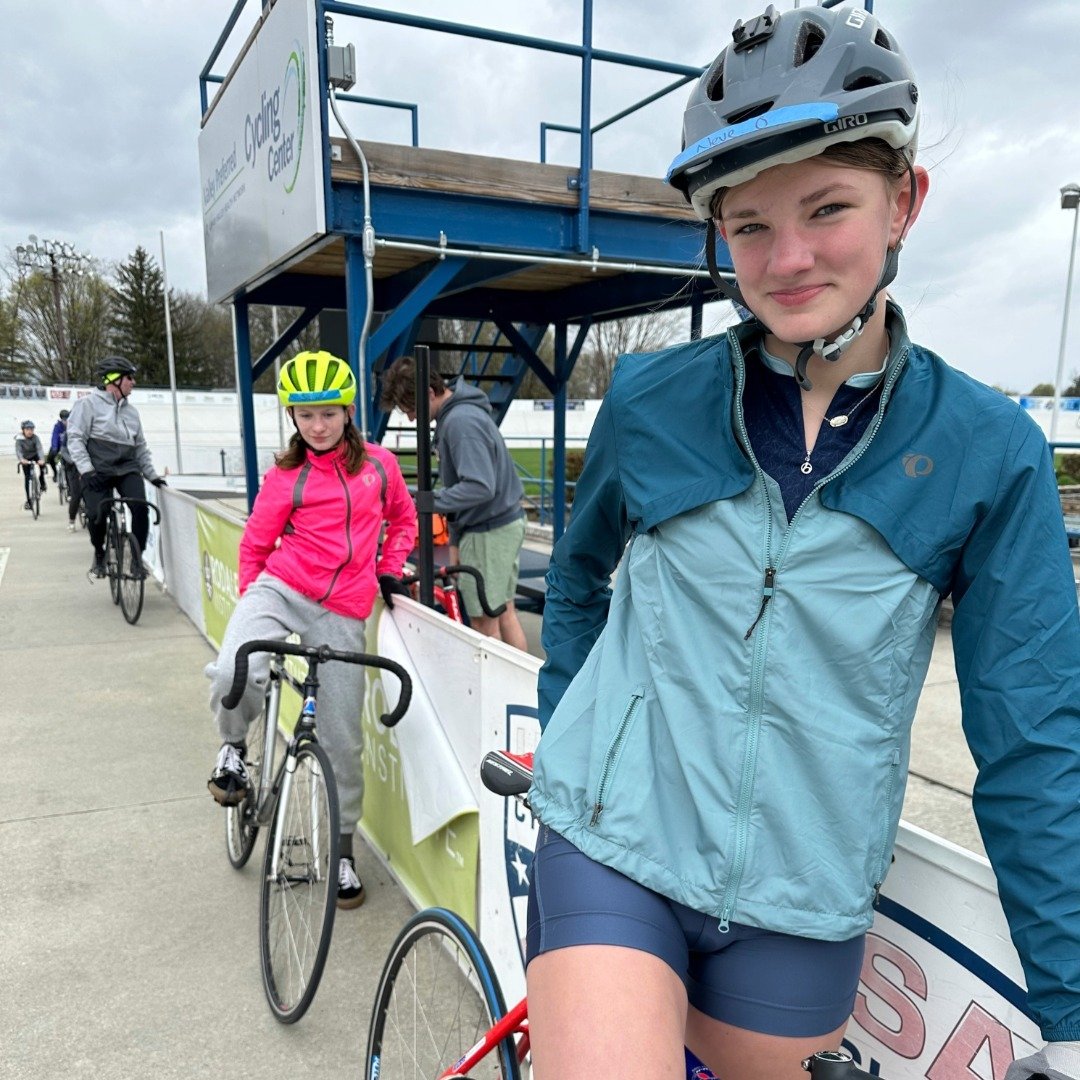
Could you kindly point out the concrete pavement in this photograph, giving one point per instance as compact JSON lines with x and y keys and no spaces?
{"x":128,"y":945}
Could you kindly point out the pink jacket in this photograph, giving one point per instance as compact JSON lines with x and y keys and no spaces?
{"x":328,"y":524}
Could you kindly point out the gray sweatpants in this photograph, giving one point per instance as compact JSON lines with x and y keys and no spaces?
{"x":270,"y":609}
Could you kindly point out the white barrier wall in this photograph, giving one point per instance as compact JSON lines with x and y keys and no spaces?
{"x":210,"y":423}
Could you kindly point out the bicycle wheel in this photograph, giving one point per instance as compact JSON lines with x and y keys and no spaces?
{"x":132,"y":578}
{"x":437,"y":996}
{"x":241,"y":829}
{"x":113,"y":555}
{"x":61,"y":485}
{"x":300,"y":898}
{"x":35,"y":496}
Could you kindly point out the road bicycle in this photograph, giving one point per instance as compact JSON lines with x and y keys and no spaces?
{"x":62,"y":484}
{"x":123,"y":557}
{"x":439,"y":1010}
{"x":296,"y":798}
{"x":34,"y":495}
{"x":446,"y":595}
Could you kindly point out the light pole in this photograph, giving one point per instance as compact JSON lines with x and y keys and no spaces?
{"x":1070,"y":200}
{"x":54,"y":257}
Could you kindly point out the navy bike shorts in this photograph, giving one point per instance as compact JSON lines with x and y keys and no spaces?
{"x":758,"y":980}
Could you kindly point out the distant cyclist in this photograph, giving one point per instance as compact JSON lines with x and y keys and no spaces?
{"x":106,"y":442}
{"x":28,"y":451}
{"x":74,"y":481}
{"x":309,"y":564}
{"x":56,"y":441}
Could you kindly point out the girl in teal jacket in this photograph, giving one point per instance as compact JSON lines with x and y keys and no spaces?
{"x":726,"y":735}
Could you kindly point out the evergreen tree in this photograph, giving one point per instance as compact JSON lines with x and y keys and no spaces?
{"x":137,"y":325}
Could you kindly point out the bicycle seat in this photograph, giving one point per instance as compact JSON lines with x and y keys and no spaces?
{"x":507,"y":774}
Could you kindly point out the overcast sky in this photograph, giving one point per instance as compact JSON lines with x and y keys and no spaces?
{"x":99,"y":119}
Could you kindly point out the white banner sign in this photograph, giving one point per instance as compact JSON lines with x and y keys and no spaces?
{"x":260,"y":154}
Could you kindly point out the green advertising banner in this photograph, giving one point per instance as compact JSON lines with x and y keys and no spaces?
{"x":219,"y":542}
{"x":440,"y":870}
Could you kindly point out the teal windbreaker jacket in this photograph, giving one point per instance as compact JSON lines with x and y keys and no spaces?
{"x":731,"y":726}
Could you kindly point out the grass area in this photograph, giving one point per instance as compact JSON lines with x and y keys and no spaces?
{"x":526,"y":457}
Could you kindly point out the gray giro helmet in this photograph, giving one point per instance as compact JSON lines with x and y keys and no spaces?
{"x":788,"y":86}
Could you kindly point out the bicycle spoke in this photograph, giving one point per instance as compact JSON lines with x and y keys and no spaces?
{"x":299,"y":896}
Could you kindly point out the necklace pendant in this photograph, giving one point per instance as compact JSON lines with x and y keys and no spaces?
{"x":806,"y":468}
{"x":838,"y":421}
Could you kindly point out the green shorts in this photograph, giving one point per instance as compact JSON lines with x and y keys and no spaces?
{"x":496,"y":554}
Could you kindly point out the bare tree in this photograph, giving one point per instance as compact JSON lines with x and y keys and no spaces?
{"x":80,"y":323}
{"x":609,"y":340}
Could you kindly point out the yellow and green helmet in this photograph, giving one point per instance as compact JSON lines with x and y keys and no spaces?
{"x":316,"y":378}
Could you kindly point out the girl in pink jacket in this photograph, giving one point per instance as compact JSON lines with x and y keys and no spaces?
{"x":309,"y":564}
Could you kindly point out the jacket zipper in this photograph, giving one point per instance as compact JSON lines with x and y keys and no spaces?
{"x":757,"y":687}
{"x":348,"y":536}
{"x":613,"y":754}
{"x":757,"y":667}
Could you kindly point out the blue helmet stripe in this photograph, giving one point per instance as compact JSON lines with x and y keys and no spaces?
{"x":823,"y":111}
{"x":301,"y":396}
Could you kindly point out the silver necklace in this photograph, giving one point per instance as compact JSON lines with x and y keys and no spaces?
{"x":837,"y":421}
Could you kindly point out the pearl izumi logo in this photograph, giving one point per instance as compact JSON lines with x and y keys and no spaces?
{"x":916,"y":465}
{"x":274,"y":132}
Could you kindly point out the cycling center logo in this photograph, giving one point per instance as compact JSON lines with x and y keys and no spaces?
{"x":274,"y":133}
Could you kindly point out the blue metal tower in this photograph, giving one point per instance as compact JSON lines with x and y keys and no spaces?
{"x":399,"y":235}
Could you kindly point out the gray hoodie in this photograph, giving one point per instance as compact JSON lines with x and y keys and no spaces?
{"x":105,"y":436}
{"x":480,"y":488}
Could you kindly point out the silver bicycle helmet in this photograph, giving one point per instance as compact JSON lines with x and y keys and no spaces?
{"x":786,"y":87}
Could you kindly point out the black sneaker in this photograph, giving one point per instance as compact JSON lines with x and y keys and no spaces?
{"x":229,"y":783}
{"x":98,"y":566}
{"x":27,"y":506}
{"x":350,"y":890}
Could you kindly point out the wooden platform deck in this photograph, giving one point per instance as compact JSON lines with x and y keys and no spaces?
{"x":421,"y":169}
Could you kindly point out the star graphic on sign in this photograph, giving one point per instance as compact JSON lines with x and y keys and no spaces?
{"x":521,"y":868}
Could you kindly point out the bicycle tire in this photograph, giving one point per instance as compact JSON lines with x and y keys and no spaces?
{"x":438,"y":995}
{"x":241,"y":828}
{"x":297,"y":906}
{"x":35,"y":496}
{"x":113,"y":555}
{"x":131,"y":578}
{"x":61,"y":486}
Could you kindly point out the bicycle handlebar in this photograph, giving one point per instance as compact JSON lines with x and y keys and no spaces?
{"x":115,"y":500}
{"x":446,"y":572}
{"x":318,"y":654}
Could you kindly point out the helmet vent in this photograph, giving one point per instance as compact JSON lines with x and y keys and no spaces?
{"x":863,"y":82}
{"x":749,"y":114}
{"x":882,"y":39}
{"x":714,"y":88}
{"x":811,"y":38}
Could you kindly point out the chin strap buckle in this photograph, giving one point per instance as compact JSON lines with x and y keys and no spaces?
{"x":833,"y":350}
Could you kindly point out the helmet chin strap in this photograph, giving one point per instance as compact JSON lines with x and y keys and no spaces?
{"x":827,"y":350}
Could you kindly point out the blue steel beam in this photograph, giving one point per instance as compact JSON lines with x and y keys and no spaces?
{"x":245,"y":386}
{"x":526,"y":350}
{"x":292,"y":332}
{"x":412,"y":306}
{"x":528,"y":228}
{"x":482,"y":33}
